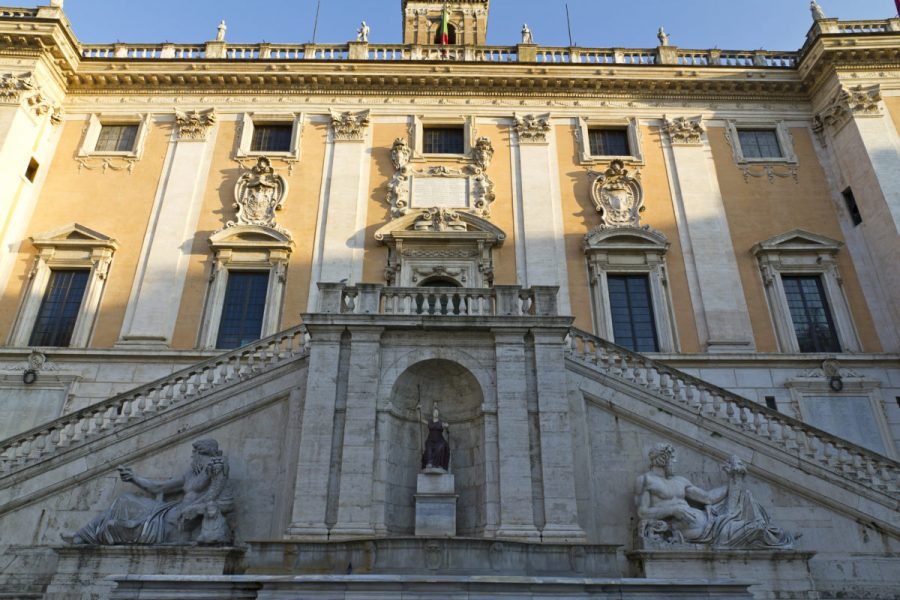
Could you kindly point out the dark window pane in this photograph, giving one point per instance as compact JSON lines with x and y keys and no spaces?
{"x":852,"y":207}
{"x":609,"y":142}
{"x":242,"y":312}
{"x":632,"y":312}
{"x":59,"y":309}
{"x":809,"y":312}
{"x":444,"y":140}
{"x":116,"y":138}
{"x":271,"y":138}
{"x":759,"y":143}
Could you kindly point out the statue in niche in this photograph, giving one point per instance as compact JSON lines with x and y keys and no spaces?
{"x":437,"y":449}
{"x":142,"y":520}
{"x":673,"y":511}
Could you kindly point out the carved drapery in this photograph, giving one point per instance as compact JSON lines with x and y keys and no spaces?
{"x":684,"y":131}
{"x":618,"y":197}
{"x":194,"y":126}
{"x":349,"y":126}
{"x":532,"y":129}
{"x":257,"y":195}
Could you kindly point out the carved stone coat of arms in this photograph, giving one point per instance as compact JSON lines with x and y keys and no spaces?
{"x":258,"y":194}
{"x":618,"y":197}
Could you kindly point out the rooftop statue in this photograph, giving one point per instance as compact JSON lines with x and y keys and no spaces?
{"x":142,"y":520}
{"x":817,"y":13}
{"x":527,"y":36}
{"x":673,"y":511}
{"x":663,"y":37}
{"x":362,"y":34}
{"x":220,"y":34}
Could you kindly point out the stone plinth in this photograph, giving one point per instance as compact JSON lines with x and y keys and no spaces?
{"x":435,"y":504}
{"x":779,"y":574}
{"x":350,"y":587}
{"x":84,"y":571}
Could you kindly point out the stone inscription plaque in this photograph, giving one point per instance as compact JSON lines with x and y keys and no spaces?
{"x":443,"y":192}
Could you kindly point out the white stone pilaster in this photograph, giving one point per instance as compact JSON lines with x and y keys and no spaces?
{"x":557,"y":450}
{"x":539,"y":206}
{"x":338,"y":254}
{"x":156,"y":294}
{"x":516,"y":503}
{"x":355,"y":517}
{"x":316,"y":432}
{"x":720,"y":306}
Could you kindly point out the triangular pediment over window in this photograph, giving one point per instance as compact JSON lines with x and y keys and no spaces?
{"x":439,"y":224}
{"x":798,"y":240}
{"x":73,"y":234}
{"x":625,"y":238}
{"x":251,"y":236}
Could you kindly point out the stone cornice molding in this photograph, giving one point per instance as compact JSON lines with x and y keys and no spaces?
{"x":684,"y":131}
{"x":194,"y":126}
{"x":532,"y":129}
{"x":349,"y":126}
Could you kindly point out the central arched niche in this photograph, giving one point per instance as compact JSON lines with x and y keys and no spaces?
{"x":459,"y":399}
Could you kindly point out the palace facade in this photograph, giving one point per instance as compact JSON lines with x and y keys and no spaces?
{"x":569,"y":263}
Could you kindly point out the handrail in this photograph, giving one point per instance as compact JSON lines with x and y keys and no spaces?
{"x":190,"y":383}
{"x":826,"y":450}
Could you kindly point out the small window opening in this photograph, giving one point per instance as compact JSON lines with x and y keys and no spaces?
{"x":609,"y":142}
{"x":770,"y":402}
{"x":31,"y":171}
{"x":852,"y":208}
{"x":271,"y":138}
{"x":446,"y":139}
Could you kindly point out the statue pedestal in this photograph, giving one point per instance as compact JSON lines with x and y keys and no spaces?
{"x":435,"y":504}
{"x":778,"y":574}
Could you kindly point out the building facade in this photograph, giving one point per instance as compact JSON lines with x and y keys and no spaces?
{"x":575,"y":256}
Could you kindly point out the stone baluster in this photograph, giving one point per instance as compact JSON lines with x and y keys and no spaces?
{"x":665,"y":385}
{"x":627,"y":369}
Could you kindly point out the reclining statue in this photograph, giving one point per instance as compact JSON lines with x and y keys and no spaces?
{"x":197,"y":517}
{"x":673,"y":511}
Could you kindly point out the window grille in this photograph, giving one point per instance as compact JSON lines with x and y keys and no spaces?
{"x":444,"y":140}
{"x":271,"y":138}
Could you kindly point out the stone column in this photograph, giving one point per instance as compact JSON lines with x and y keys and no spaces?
{"x":156,"y":294}
{"x":557,"y":450}
{"x":316,"y":431}
{"x":358,"y":457}
{"x":720,"y":307}
{"x":539,"y":205}
{"x":516,"y":504}
{"x":338,"y":255}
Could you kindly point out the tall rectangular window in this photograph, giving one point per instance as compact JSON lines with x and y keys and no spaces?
{"x":632,"y":312}
{"x":443,"y":140}
{"x":609,"y":142}
{"x":852,"y":208}
{"x":242,"y":312}
{"x":116,"y":138}
{"x":812,"y":319}
{"x":271,"y":138}
{"x":59,"y":309}
{"x":760,"y":143}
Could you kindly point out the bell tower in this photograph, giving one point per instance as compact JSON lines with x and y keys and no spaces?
{"x":468,"y":21}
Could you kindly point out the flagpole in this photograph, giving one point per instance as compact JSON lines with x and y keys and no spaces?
{"x":569,"y":22}
{"x":316,"y":22}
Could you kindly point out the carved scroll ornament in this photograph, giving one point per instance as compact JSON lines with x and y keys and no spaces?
{"x":857,"y":101}
{"x":684,"y":131}
{"x":257,"y":195}
{"x":618,"y":197}
{"x":12,"y":87}
{"x":532,"y":129}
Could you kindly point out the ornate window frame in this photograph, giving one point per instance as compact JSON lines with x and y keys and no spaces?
{"x":799,"y":252}
{"x":246,"y":248}
{"x":632,"y":125}
{"x":92,"y":134}
{"x":630,"y":251}
{"x":417,"y":136}
{"x":782,"y":132}
{"x":71,"y":247}
{"x":245,"y":134}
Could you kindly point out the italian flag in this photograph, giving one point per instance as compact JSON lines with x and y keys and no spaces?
{"x":445,"y":26}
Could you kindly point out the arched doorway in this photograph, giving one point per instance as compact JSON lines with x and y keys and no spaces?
{"x":451,"y":29}
{"x":459,"y":399}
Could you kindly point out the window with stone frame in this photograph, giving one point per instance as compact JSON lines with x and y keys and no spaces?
{"x":60,"y":307}
{"x":760,"y":143}
{"x":443,"y":139}
{"x":243,"y":308}
{"x":813,"y":323}
{"x":116,"y":138}
{"x":631,"y":308}
{"x":272,"y":137}
{"x":609,"y":141}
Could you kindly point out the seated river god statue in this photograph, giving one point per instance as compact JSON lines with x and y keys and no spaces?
{"x":673,"y":511}
{"x":196,"y":517}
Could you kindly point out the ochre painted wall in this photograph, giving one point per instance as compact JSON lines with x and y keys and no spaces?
{"x":758,"y":210}
{"x":378,"y":213}
{"x":298,"y":216}
{"x":580,"y":216}
{"x":893,"y":105}
{"x":114,"y":203}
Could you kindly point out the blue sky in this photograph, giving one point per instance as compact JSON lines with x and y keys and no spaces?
{"x":726,"y":24}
